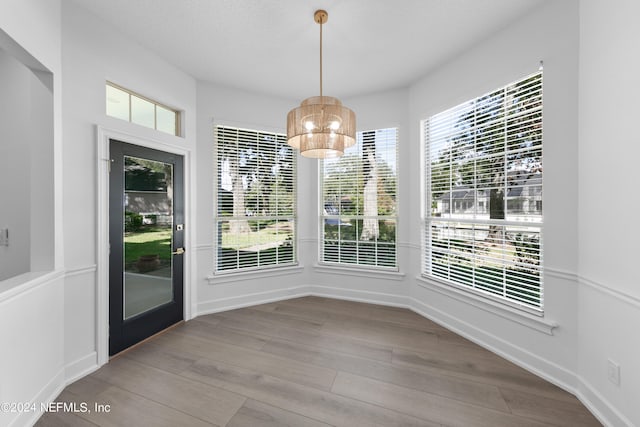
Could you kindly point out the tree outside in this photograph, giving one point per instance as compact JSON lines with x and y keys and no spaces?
{"x":256,"y":199}
{"x":148,"y":217}
{"x":485,"y":176}
{"x":359,"y":202}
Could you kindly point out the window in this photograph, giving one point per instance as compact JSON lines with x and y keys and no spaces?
{"x":359,"y":202}
{"x":483,"y":213}
{"x":126,"y":105}
{"x":256,"y":194}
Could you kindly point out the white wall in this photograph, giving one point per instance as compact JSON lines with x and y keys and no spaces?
{"x":609,"y":147}
{"x":32,"y":356}
{"x":549,"y":33}
{"x":234,"y":107}
{"x":589,"y":288}
{"x":567,"y":345}
{"x":93,"y":53}
{"x":373,"y":111}
{"x":26,"y":168}
{"x":15,"y":166}
{"x":31,"y":306}
{"x":41,"y":135}
{"x":219,"y":105}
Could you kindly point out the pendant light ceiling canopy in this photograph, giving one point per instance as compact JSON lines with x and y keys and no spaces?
{"x":321,"y":127}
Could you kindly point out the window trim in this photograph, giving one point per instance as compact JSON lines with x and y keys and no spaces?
{"x":354,"y":268}
{"x":535,"y":320}
{"x":227,"y":276}
{"x":268,"y":269}
{"x":380,"y":273}
{"x":461,"y":291}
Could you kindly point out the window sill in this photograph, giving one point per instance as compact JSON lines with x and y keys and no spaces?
{"x":240,"y":276}
{"x":359,"y":272}
{"x":533,"y":321}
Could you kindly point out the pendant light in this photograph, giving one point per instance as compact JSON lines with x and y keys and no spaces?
{"x":321,"y":127}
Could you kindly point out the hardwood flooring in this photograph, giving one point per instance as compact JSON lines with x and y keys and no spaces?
{"x":313,"y":362}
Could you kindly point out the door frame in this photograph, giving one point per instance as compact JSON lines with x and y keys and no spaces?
{"x":103,"y":138}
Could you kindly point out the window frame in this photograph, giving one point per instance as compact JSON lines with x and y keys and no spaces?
{"x":322,"y":261}
{"x":156,"y":104}
{"x":217,"y":218}
{"x":428,"y":218}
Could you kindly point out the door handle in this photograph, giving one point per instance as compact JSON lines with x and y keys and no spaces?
{"x":178,"y":251}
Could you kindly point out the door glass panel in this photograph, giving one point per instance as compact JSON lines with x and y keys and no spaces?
{"x":148,"y":227}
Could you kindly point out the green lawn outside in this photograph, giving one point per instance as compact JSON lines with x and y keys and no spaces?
{"x":268,"y":235}
{"x":153,"y":242}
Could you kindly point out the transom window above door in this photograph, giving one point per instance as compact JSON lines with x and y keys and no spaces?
{"x":132,"y":107}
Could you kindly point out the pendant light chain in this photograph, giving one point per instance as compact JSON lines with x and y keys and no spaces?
{"x":320,"y":57}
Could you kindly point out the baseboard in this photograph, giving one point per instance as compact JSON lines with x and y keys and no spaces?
{"x":248,"y":300}
{"x":81,"y":367}
{"x":393,"y":300}
{"x":232,"y":303}
{"x":537,"y":365}
{"x":600,"y":407}
{"x":47,"y":394}
{"x":555,"y":374}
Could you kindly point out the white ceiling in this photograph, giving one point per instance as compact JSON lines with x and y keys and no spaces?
{"x":272,"y":46}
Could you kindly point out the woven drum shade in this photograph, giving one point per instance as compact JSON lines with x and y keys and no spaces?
{"x":321,"y":127}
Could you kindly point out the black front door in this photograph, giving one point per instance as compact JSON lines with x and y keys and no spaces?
{"x":146,"y":238}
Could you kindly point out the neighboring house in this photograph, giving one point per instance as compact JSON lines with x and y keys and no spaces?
{"x":332,"y":209}
{"x":146,"y":194}
{"x":524,"y":198}
{"x":153,"y":206}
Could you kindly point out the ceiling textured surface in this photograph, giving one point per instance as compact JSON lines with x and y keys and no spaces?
{"x":272,"y":46}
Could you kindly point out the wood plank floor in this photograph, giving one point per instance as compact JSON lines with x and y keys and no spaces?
{"x":315,"y":362}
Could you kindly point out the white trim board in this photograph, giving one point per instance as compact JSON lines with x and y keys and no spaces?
{"x":89,"y":269}
{"x":249,"y":300}
{"x":22,"y":284}
{"x":241,"y":301}
{"x":619,"y":295}
{"x":80,"y":368}
{"x":552,"y":372}
{"x":257,"y":274}
{"x":47,"y":394}
{"x":497,"y":308}
{"x":599,"y":406}
{"x":69,"y":374}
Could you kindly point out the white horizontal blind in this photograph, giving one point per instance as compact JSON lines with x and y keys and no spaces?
{"x":359,"y":202}
{"x":256,"y":199}
{"x":483,"y":218}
